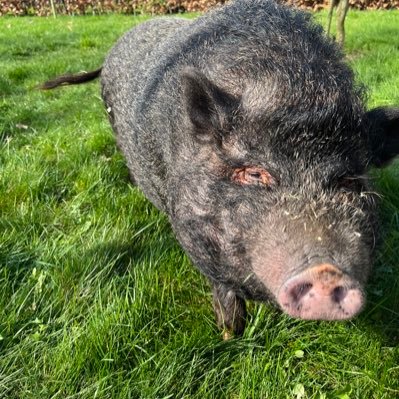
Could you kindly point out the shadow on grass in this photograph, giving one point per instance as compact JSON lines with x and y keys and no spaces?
{"x":124,"y":255}
{"x":382,"y":311}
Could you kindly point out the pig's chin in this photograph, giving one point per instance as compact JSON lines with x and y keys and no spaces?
{"x":322,"y":292}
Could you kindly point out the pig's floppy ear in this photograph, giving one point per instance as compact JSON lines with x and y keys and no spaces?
{"x":208,"y":107}
{"x":384,"y":134}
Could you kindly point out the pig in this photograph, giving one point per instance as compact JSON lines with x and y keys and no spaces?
{"x":245,"y":126}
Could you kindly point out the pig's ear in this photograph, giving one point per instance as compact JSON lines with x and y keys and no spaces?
{"x":384,"y":135}
{"x":208,"y":107}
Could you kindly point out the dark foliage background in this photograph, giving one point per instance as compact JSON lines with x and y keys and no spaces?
{"x":79,"y":7}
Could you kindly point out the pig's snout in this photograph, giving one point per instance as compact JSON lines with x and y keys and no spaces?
{"x":322,"y":292}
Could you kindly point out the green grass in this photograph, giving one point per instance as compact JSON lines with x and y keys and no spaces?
{"x":97,"y":300}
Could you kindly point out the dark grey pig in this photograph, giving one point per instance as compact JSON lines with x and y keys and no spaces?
{"x":246,"y":128}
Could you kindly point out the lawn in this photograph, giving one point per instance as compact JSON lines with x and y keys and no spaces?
{"x":97,"y":300}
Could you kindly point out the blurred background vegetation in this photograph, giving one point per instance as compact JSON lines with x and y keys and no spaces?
{"x":79,"y":7}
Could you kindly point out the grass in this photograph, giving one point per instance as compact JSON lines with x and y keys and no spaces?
{"x":97,"y":300}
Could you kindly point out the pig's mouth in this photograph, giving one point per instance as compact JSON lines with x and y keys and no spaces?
{"x":322,"y":292}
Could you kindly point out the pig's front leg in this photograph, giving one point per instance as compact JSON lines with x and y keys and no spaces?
{"x":230,"y":311}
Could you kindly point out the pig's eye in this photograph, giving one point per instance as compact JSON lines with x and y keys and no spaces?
{"x":252,"y":175}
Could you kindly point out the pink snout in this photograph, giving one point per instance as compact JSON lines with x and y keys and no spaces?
{"x":322,"y":292}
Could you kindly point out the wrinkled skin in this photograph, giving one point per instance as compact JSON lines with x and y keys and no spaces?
{"x":246,"y":128}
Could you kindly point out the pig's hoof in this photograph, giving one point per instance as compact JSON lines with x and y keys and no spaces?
{"x":230,"y":311}
{"x":227,"y":335}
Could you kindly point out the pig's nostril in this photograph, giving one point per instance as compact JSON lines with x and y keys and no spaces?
{"x":300,"y":290}
{"x":321,"y":293}
{"x":339,"y":293}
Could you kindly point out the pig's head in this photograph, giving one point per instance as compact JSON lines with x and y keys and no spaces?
{"x":273,"y":200}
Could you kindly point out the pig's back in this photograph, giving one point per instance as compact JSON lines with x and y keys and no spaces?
{"x":124,"y":79}
{"x":243,"y":47}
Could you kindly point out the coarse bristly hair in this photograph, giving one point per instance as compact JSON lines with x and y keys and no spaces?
{"x":246,"y":127}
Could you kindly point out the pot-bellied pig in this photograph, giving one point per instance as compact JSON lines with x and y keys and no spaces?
{"x":246,"y":128}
